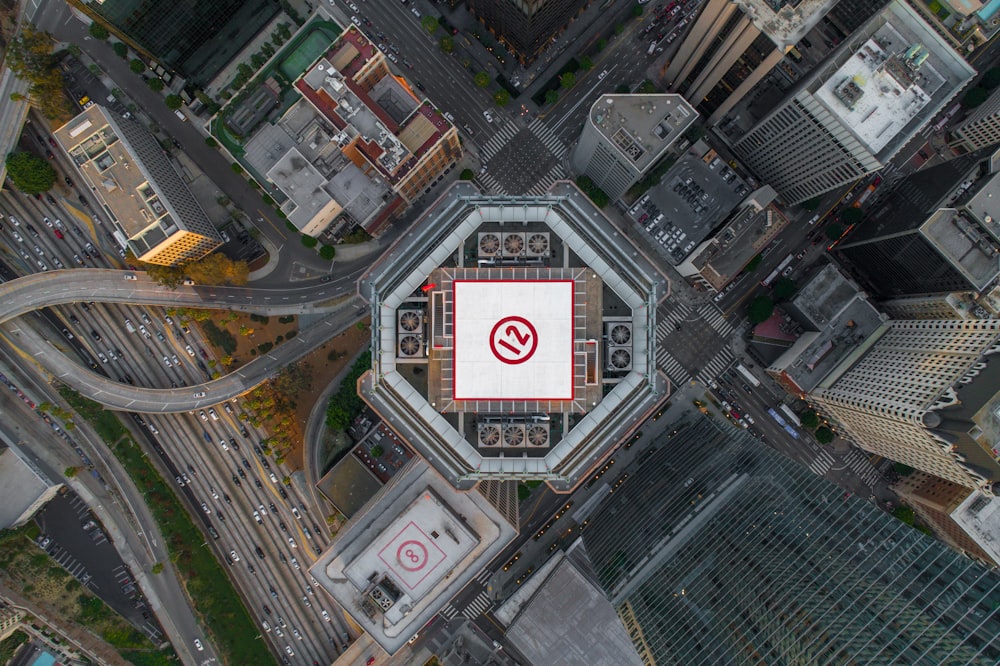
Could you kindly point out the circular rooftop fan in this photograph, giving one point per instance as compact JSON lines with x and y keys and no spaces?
{"x":409,"y":321}
{"x":538,"y":436}
{"x":513,"y":244}
{"x":489,"y":244}
{"x":620,"y":358}
{"x":513,"y":436}
{"x":538,"y":244}
{"x":489,"y":435}
{"x":409,"y":345}
{"x":620,"y":335}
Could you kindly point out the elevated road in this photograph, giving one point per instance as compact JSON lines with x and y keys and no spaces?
{"x":341,"y":307}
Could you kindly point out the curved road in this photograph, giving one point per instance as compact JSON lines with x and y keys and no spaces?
{"x":23,"y":295}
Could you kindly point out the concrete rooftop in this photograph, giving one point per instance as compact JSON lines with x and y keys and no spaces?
{"x":642,"y":126}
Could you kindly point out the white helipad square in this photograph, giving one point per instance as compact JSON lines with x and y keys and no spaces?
{"x":513,"y":340}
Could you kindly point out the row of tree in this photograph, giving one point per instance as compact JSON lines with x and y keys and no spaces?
{"x":30,"y":57}
{"x":216,"y":268}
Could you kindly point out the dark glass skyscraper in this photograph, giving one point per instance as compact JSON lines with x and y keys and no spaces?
{"x":717,"y":550}
{"x":194,"y":38}
{"x":526,"y":26}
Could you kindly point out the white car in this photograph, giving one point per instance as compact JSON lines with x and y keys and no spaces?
{"x":222,"y":443}
{"x":256,"y":516}
{"x":189,"y":350}
{"x":204,"y":507}
{"x":326,"y":616}
{"x":198,"y":645}
{"x":291,"y":542}
{"x":232,"y":554}
{"x":600,"y":77}
{"x":263,"y":511}
{"x":488,"y":116}
{"x":356,"y":21}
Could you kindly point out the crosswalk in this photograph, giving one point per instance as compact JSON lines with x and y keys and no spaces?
{"x":714,"y":317}
{"x":484,"y":576}
{"x":548,"y":137}
{"x":669,"y":321}
{"x":491,"y":184}
{"x":448,"y":612}
{"x":498,"y":141}
{"x":671,"y":366}
{"x":857,"y":460}
{"x":716,"y":366}
{"x":545,"y":182}
{"x":822,"y":464}
{"x":478,"y":606}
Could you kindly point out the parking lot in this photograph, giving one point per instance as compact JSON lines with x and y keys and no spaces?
{"x":83,"y":549}
{"x":692,"y":200}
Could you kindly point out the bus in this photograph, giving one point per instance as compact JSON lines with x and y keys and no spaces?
{"x":792,"y":416}
{"x":773,"y":275}
{"x":784,"y":424}
{"x":749,"y":376}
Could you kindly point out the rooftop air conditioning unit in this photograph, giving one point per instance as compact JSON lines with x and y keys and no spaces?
{"x":619,"y":343}
{"x":489,"y":435}
{"x":514,"y":245}
{"x":537,"y":245}
{"x":489,"y":245}
{"x":513,"y":435}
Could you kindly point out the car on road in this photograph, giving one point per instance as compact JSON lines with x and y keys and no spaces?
{"x":232,"y":554}
{"x":256,"y":516}
{"x":487,"y":115}
{"x":131,"y":276}
{"x":199,"y":394}
{"x":600,"y":77}
{"x":326,"y":616}
{"x":201,"y":412}
{"x":166,"y":362}
{"x":211,"y":410}
{"x":197,"y":642}
{"x":222,"y":443}
{"x":291,"y":542}
{"x":18,"y":237}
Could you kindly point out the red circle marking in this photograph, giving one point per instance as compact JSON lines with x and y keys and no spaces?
{"x":412,"y":555}
{"x":513,"y":340}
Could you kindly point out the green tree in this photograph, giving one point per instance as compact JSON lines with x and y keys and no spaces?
{"x":328,"y":252}
{"x":157,"y":568}
{"x":783,"y":288}
{"x":156,"y":85}
{"x":567,"y":80}
{"x":120,"y":49}
{"x":694,"y":132}
{"x":904,"y":513}
{"x":211,"y":142}
{"x":760,"y":309}
{"x":824,"y":435}
{"x":309,"y":241}
{"x":593,"y":192}
{"x":430,"y":24}
{"x":619,"y":28}
{"x":586,"y":63}
{"x":481,"y":79}
{"x":447,"y":44}
{"x":646,"y":88}
{"x":637,"y":11}
{"x":174,"y":102}
{"x":975,"y":97}
{"x":98,"y":31}
{"x":834,"y":231}
{"x":754,"y":263}
{"x":851,"y":216}
{"x":137,"y":66}
{"x":810,"y":419}
{"x":601,"y":44}
{"x":551,"y":96}
{"x":30,"y":173}
{"x":501,"y":97}
{"x":70,"y":472}
{"x":29,"y":57}
{"x":991,"y":78}
{"x":810,"y":204}
{"x":377,"y":451}
{"x":467,"y":174}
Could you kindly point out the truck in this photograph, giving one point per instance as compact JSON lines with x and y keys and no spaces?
{"x":749,"y":376}
{"x":792,"y":416}
{"x":773,"y":275}
{"x":652,"y":47}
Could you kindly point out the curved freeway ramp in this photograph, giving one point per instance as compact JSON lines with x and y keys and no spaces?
{"x":28,"y":293}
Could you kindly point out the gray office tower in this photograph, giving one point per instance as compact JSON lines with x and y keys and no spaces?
{"x":854,"y":111}
{"x":718,"y":550}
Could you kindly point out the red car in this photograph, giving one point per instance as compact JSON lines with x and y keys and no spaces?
{"x":58,"y":234}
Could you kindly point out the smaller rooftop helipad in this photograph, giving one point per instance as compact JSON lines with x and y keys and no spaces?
{"x":513,"y":340}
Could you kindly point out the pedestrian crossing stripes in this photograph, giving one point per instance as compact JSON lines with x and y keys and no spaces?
{"x":671,"y":319}
{"x":548,"y":138}
{"x":716,"y":365}
{"x":498,"y":141}
{"x":491,"y":184}
{"x":822,"y":464}
{"x":715,"y":318}
{"x":448,"y":612}
{"x":671,"y":367}
{"x":859,"y":463}
{"x":478,"y":606}
{"x":484,"y":576}
{"x":546,"y":181}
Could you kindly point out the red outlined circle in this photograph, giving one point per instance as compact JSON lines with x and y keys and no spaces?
{"x":412,"y":555}
{"x":513,"y":340}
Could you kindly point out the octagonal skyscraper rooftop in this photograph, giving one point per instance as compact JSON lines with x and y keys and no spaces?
{"x":513,"y":337}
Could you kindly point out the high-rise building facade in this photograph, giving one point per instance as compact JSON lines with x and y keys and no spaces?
{"x":151,"y":208}
{"x":733,"y":45}
{"x":625,"y":135}
{"x":898,"y":393}
{"x":857,"y":109}
{"x":981,"y":129}
{"x":718,"y":550}
{"x":934,"y":232}
{"x":193,"y":39}
{"x":526,"y":27}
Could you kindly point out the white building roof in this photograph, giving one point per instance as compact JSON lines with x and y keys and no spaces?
{"x":513,"y":340}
